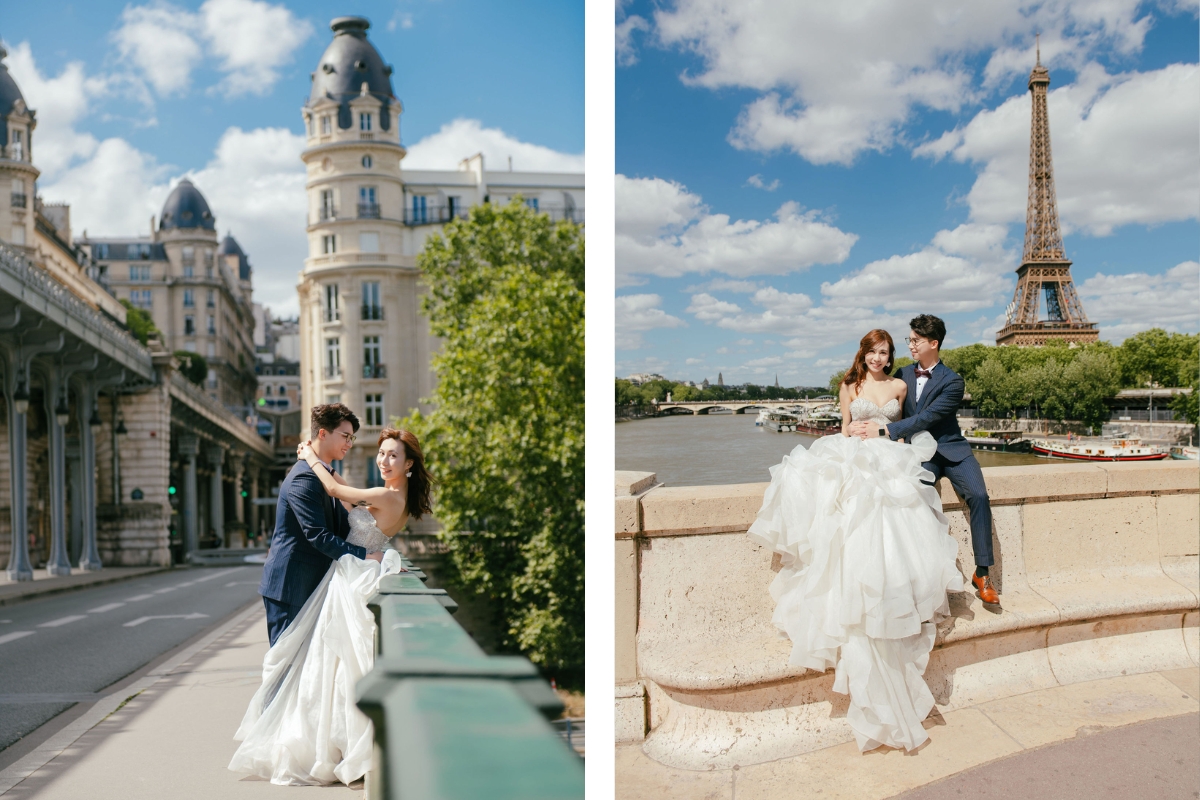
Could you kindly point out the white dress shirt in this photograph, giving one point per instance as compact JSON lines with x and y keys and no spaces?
{"x":922,"y":380}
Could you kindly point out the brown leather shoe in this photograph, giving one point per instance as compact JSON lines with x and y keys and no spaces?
{"x":987,"y":593}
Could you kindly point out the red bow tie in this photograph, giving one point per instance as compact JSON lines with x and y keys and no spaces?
{"x":923,"y":373}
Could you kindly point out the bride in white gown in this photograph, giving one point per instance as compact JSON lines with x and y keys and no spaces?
{"x":866,"y":556}
{"x":302,"y":725}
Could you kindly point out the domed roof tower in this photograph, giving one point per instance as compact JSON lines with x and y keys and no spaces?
{"x":349,"y":64}
{"x":230,"y":247}
{"x":17,"y":122}
{"x":186,"y":208}
{"x":10,"y":93}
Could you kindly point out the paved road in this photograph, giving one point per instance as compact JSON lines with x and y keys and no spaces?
{"x":58,"y":650}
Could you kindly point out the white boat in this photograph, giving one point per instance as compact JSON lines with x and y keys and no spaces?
{"x":1115,"y":449}
{"x":1185,"y":453}
{"x":781,"y":423}
{"x":761,"y":419}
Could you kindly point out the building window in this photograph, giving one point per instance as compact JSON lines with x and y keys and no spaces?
{"x":189,"y":326}
{"x":98,"y":250}
{"x":212,"y":379}
{"x":368,"y":243}
{"x":333,"y":398}
{"x":364,"y":121}
{"x":211,"y":350}
{"x":189,"y":346}
{"x":374,"y":479}
{"x":333,"y":358}
{"x":189,"y":298}
{"x":367,"y":162}
{"x":189,"y":271}
{"x":418,"y":209}
{"x":327,"y":211}
{"x":17,"y":150}
{"x":282,"y":389}
{"x":212,"y":301}
{"x":532,"y":202}
{"x":374,"y":410}
{"x":141,"y":298}
{"x":371,"y":306}
{"x":188,"y":256}
{"x":568,"y":207}
{"x":329,"y":244}
{"x":267,"y":390}
{"x":208,"y":263}
{"x":455,"y":206}
{"x":367,"y":207}
{"x":137,"y":272}
{"x":371,"y":357}
{"x":212,"y":325}
{"x":333,"y":310}
{"x":326,"y":126}
{"x":18,"y":234}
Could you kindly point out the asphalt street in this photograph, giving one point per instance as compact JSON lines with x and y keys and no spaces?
{"x":64,"y":649}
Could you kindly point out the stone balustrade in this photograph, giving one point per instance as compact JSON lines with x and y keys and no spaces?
{"x":1097,"y":566}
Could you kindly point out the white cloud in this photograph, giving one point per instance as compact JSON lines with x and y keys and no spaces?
{"x":1126,"y":304}
{"x":724,"y":285}
{"x":253,"y":41}
{"x":636,"y":313}
{"x":649,"y":364}
{"x":1124,"y":151}
{"x":626,"y":54}
{"x":662,"y":229}
{"x":708,"y":308}
{"x":836,"y":80}
{"x":757,"y":182}
{"x":962,"y":270}
{"x":463,"y":138}
{"x":403,"y":19}
{"x":250,"y":40}
{"x":691,"y":362}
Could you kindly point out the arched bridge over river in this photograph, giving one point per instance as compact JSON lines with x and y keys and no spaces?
{"x":741,"y":406}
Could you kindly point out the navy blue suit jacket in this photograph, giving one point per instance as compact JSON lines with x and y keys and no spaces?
{"x":310,"y":533}
{"x":936,"y":411}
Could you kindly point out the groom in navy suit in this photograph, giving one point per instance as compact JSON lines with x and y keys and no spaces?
{"x":310,"y":526}
{"x":934,"y":392}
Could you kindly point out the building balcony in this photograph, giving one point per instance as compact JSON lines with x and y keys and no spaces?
{"x":331,"y":315}
{"x":333,"y":373}
{"x":328,"y":214}
{"x":19,"y":199}
{"x":372,"y":312}
{"x":433,"y":215}
{"x":368,"y":210}
{"x":374,"y":371}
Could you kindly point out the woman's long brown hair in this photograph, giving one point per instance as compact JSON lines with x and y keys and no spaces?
{"x":858,"y":370}
{"x":420,"y":484}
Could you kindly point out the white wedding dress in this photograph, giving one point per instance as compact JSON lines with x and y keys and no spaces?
{"x":867,"y":560}
{"x":302,"y":726}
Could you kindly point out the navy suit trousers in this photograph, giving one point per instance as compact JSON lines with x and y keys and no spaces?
{"x":967,"y":479}
{"x":279,"y":616}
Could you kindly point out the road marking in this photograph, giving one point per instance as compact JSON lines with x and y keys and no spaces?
{"x":164,"y":591}
{"x":54,"y":623}
{"x":8,"y":637}
{"x":241,"y":583}
{"x":217,"y":574}
{"x":103,"y":608}
{"x":135,"y":598}
{"x":140,"y":620}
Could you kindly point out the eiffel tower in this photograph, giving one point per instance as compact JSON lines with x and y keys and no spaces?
{"x":1045,"y":270}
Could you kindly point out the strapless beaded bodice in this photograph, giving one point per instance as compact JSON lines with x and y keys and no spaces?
{"x":364,"y":532}
{"x":863,"y":409}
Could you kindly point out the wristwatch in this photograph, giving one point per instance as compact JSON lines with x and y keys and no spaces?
{"x":882,"y":432}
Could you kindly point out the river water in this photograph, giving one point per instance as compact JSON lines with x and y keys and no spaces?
{"x":726,"y":448}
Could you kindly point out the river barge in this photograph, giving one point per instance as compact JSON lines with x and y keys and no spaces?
{"x":1185,"y":453}
{"x":999,"y":441}
{"x":820,"y":426}
{"x":781,"y":423}
{"x":1115,"y":449}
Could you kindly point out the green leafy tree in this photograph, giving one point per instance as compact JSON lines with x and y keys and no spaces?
{"x":835,"y":380}
{"x":192,"y":366}
{"x":992,"y":388}
{"x":506,"y":436}
{"x":1188,"y":405}
{"x":1155,"y":356}
{"x":140,"y":324}
{"x":1090,"y":379}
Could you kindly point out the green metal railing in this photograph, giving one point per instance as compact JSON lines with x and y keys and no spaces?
{"x":451,"y":721}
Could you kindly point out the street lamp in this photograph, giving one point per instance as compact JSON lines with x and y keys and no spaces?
{"x":62,"y":414}
{"x":121,"y":425}
{"x":21,"y":398}
{"x":94,"y":422}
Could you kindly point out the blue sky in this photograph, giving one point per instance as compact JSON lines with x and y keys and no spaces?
{"x":131,"y":96}
{"x":792,"y":174}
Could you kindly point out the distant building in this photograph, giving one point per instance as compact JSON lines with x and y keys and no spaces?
{"x":638,"y":378}
{"x":720,"y":379}
{"x":704,"y":384}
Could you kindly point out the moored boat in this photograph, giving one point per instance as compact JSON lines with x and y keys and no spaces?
{"x":781,"y":423}
{"x":1116,"y":449}
{"x":761,"y":419}
{"x":999,"y":441}
{"x":821,"y":426}
{"x":1185,"y":453}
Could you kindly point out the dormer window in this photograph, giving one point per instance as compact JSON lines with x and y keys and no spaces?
{"x":364,"y":121}
{"x":326,"y":125}
{"x":17,"y":150}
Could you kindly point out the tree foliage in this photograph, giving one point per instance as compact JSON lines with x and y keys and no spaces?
{"x":506,"y":437}
{"x":139,"y":322}
{"x":192,"y":366}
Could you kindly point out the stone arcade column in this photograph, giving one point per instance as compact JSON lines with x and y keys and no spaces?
{"x":216,"y":458}
{"x":89,"y":414}
{"x":75,"y":489}
{"x":16,"y":377}
{"x":54,"y":386}
{"x":189,"y":448}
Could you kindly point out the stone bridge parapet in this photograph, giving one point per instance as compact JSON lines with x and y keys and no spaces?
{"x":1098,"y":567}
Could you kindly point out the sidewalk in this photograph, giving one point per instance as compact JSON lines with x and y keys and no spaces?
{"x":173,"y":739}
{"x":44,"y":583}
{"x":959,"y":741}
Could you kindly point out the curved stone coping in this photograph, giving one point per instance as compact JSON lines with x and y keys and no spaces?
{"x":704,"y":606}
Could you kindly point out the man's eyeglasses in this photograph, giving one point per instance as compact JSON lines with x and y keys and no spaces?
{"x":349,"y":437}
{"x":913,"y":340}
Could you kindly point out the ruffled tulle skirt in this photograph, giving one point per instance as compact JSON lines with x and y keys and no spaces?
{"x":302,"y":726}
{"x":867,"y":560}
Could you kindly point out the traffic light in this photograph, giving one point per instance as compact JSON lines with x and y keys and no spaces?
{"x":171,"y":490}
{"x":245,"y":493}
